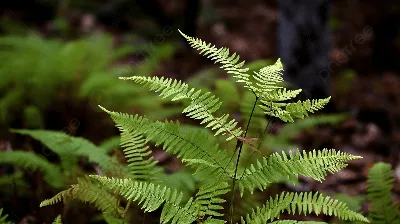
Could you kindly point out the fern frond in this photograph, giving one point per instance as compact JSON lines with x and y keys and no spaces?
{"x":192,"y":146}
{"x":230,"y":63}
{"x":57,"y":220}
{"x":67,"y":146}
{"x":288,"y":111}
{"x":3,"y":217}
{"x":87,"y":191}
{"x":379,"y":186}
{"x":315,"y":164}
{"x":135,"y":150}
{"x":207,"y":198}
{"x":268,"y":78}
{"x":151,"y":197}
{"x":202,"y":105}
{"x":305,"y":203}
{"x":31,"y":161}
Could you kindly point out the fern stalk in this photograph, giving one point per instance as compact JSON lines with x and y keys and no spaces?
{"x":237,"y":163}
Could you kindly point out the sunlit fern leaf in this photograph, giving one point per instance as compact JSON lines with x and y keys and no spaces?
{"x":3,"y":217}
{"x":287,"y":111}
{"x":150,"y":197}
{"x":57,"y":220}
{"x":192,"y":146}
{"x":379,"y":186}
{"x":230,"y":63}
{"x":304,"y":202}
{"x":268,"y":78}
{"x":315,"y":164}
{"x":68,"y":146}
{"x":202,"y":105}
{"x":87,"y":191}
{"x":136,"y":151}
{"x":31,"y":161}
{"x":280,"y":94}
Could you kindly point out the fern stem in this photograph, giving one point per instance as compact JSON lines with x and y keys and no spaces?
{"x":125,"y":211}
{"x":237,"y":164}
{"x":262,"y":138}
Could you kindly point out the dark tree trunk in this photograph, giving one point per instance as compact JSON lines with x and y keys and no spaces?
{"x":304,"y":42}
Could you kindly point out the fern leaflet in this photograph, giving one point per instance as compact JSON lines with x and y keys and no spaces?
{"x":202,"y":105}
{"x":304,"y":203}
{"x":87,"y":191}
{"x":379,"y":186}
{"x":315,"y":164}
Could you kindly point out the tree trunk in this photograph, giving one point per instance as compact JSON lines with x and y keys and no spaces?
{"x":304,"y":42}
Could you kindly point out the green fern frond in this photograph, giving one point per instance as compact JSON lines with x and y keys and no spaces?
{"x":135,"y":150}
{"x":268,"y":78}
{"x":315,"y":164}
{"x":31,"y":161}
{"x":192,"y":146}
{"x":230,"y":63}
{"x":3,"y":217}
{"x":202,"y":105}
{"x":305,"y":203}
{"x":57,"y":220}
{"x":207,"y":198}
{"x":87,"y":191}
{"x":151,"y":197}
{"x":288,"y":111}
{"x":379,"y":186}
{"x":67,"y":146}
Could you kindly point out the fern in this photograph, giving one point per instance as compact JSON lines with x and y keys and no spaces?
{"x":135,"y":150}
{"x":3,"y":218}
{"x":266,"y":87}
{"x":57,"y":220}
{"x":30,"y":161}
{"x":202,"y":105}
{"x":193,"y":146}
{"x":314,"y":164}
{"x":302,"y":203}
{"x":230,"y":63}
{"x":86,"y":191}
{"x":85,"y":69}
{"x":151,"y":197}
{"x":67,"y":146}
{"x":379,"y":186}
{"x":212,"y":163}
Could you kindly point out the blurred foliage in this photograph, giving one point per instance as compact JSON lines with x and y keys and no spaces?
{"x":3,"y":217}
{"x":77,"y":157}
{"x":40,"y":73}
